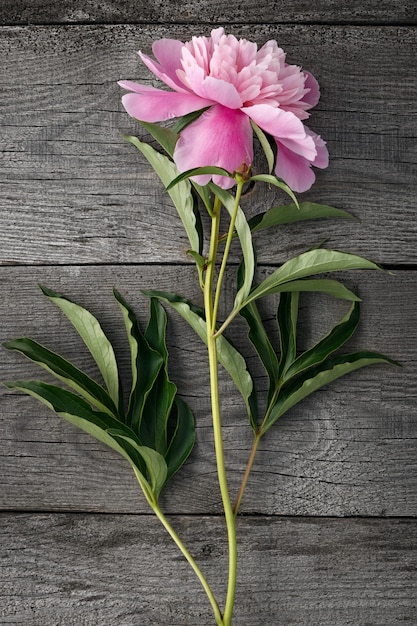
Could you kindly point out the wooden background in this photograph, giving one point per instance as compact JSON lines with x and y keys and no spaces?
{"x":328,"y":531}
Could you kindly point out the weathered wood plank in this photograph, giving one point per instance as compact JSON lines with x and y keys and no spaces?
{"x":65,"y":165}
{"x":88,"y":569}
{"x":350,"y":449}
{"x":211,"y":11}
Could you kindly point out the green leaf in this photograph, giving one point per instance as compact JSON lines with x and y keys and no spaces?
{"x":181,"y":438}
{"x":260,"y":340}
{"x":277,"y":182}
{"x":306,"y":264}
{"x":290,"y":213}
{"x":160,"y":418}
{"x":94,"y":338}
{"x":160,"y":400}
{"x":75,"y":410}
{"x":166,"y":138}
{"x":245,"y":239}
{"x":229,"y":357}
{"x":66,"y":372}
{"x":145,"y":363}
{"x":180,"y":195}
{"x":156,"y":467}
{"x":334,"y":340}
{"x":199,"y":171}
{"x":309,"y":381}
{"x":266,"y":146}
{"x":186,"y":120}
{"x":287,"y":322}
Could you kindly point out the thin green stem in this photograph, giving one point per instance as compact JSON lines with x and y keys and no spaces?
{"x":211,"y":316}
{"x":231,"y":230}
{"x":216,"y":610}
{"x":153,"y":503}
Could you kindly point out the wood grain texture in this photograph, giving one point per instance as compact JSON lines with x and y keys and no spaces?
{"x":350,"y":449}
{"x":211,"y":11}
{"x":329,"y":532}
{"x":64,"y":164}
{"x":82,"y":570}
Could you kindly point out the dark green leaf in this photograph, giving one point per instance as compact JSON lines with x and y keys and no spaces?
{"x":180,"y":195}
{"x":186,"y":120}
{"x":145,"y":362}
{"x":181,"y":437}
{"x":309,"y":381}
{"x":229,"y":357}
{"x":267,"y":146}
{"x":199,"y":171}
{"x":287,"y":322}
{"x":160,"y":400}
{"x":166,"y":138}
{"x":75,"y":410}
{"x":262,"y":345}
{"x":290,"y":213}
{"x":66,"y":372}
{"x":307,"y":264}
{"x":94,"y":338}
{"x":334,"y":340}
{"x":277,"y":182}
{"x":156,"y":467}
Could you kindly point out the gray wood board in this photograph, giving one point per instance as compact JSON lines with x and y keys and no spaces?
{"x":350,"y":449}
{"x":81,"y":570}
{"x":211,"y":11}
{"x":64,"y":164}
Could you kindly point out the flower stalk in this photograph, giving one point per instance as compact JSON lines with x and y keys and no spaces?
{"x":211,"y":308}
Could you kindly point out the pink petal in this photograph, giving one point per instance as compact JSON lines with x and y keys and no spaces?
{"x":322,"y":158}
{"x":285,"y":127}
{"x":154,"y":105}
{"x":220,"y":137}
{"x":168,"y":52}
{"x":313,"y":96}
{"x":216,"y":89}
{"x":294,"y":169}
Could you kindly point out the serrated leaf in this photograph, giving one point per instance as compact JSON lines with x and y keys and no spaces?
{"x":307,"y":264}
{"x":199,"y":171}
{"x":145,"y":363}
{"x":64,"y":371}
{"x":94,"y":338}
{"x":287,"y":316}
{"x":180,"y":195}
{"x":309,"y":381}
{"x":229,"y":357}
{"x":246,"y":244}
{"x":288,"y":214}
{"x":277,"y":182}
{"x":334,"y":340}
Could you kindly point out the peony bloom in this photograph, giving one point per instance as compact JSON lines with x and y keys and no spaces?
{"x":232,"y":82}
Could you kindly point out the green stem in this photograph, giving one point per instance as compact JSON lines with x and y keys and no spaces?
{"x":211,"y":315}
{"x":239,"y":188}
{"x":153,"y":503}
{"x":216,"y":610}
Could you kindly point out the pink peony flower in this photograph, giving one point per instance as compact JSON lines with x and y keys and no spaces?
{"x":235,"y":83}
